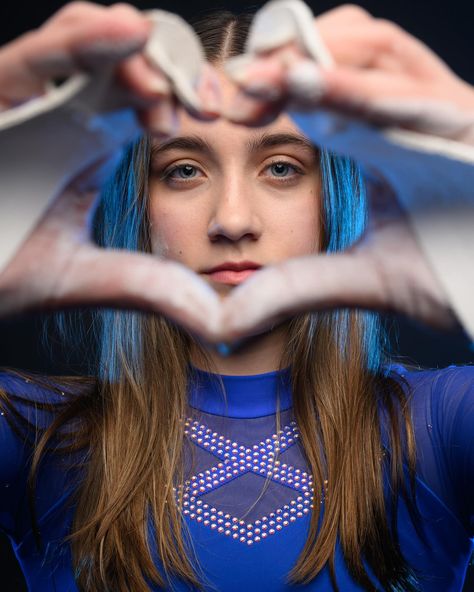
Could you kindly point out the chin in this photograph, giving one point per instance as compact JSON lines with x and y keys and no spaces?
{"x":223,"y":289}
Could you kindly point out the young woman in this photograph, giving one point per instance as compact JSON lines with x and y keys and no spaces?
{"x":303,"y":458}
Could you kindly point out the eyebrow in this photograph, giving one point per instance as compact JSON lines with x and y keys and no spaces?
{"x":269,"y":140}
{"x":187,"y":143}
{"x":259,"y":143}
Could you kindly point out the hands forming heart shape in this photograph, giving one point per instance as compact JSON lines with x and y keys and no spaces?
{"x":58,"y":266}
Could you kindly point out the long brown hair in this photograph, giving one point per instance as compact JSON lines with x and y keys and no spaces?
{"x":128,"y":421}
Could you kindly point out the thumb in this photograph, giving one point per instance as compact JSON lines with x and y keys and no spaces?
{"x":320,"y":282}
{"x":121,"y":279}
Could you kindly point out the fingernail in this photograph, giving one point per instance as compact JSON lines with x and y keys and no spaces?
{"x":249,"y":69}
{"x":242,"y":108}
{"x":209,"y":91}
{"x":305,"y":81}
{"x":263,"y":91}
{"x":163,"y":120}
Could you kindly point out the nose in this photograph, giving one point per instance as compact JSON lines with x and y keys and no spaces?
{"x":235,"y":213}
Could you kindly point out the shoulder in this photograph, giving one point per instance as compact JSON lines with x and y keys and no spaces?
{"x":451,"y":381}
{"x":441,"y":398}
{"x":29,"y":403}
{"x":37,"y":399}
{"x":28,"y":385}
{"x":412,"y":374}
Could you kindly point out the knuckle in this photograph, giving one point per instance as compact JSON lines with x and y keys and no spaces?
{"x":353,"y":12}
{"x":75,"y":9}
{"x":390,"y":29}
{"x":127,"y":10}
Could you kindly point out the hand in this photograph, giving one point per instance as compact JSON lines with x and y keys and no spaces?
{"x":387,"y":269}
{"x":380,"y":73}
{"x":87,"y":37}
{"x":58,"y":266}
{"x":373,"y":274}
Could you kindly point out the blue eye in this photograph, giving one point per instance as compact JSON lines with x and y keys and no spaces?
{"x":284,"y":171}
{"x":281,"y":169}
{"x":183,"y":171}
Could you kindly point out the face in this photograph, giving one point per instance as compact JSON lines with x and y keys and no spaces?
{"x":226,"y":199}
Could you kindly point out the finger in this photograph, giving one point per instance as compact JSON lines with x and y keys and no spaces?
{"x":161,"y":120}
{"x":68,"y":219}
{"x":360,"y":43}
{"x":378,"y":97}
{"x":93,"y":36}
{"x":305,"y":284}
{"x":346,"y":14}
{"x":146,"y":83}
{"x":342,"y":87}
{"x":81,"y":35}
{"x":209,"y":93}
{"x":369,"y":276}
{"x":140,"y":282}
{"x":252,"y":111}
{"x":158,"y":112}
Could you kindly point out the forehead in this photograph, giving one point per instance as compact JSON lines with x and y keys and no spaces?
{"x":228,"y":135}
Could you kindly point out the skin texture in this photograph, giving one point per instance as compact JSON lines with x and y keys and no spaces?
{"x":236,"y":206}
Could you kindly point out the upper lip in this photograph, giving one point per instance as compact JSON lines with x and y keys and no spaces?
{"x":233,"y":266}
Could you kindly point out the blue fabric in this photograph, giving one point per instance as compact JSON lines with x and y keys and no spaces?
{"x":247,"y":536}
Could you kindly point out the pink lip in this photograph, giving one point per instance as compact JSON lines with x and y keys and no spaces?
{"x":232,"y":273}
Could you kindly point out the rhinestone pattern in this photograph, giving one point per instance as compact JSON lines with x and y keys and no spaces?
{"x":233,"y":460}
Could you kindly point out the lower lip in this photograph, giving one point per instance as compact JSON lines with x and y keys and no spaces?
{"x":231,"y":277}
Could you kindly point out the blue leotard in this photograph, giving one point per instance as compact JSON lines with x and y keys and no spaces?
{"x":245,"y":539}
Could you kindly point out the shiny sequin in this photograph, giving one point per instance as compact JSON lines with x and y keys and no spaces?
{"x":235,"y":459}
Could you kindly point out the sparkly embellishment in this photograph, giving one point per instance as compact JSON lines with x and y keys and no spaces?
{"x":234,"y":460}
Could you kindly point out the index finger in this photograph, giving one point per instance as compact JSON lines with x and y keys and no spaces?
{"x":80,"y":36}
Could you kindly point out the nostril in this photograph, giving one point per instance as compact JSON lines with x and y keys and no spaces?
{"x":227,"y":238}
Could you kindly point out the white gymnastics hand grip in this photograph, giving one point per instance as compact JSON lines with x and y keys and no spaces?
{"x":48,"y":141}
{"x":282,"y":21}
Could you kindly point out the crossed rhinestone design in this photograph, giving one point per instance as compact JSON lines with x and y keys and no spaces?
{"x":236,"y":459}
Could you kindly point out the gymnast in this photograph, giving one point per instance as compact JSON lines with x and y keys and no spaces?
{"x":242,"y":426}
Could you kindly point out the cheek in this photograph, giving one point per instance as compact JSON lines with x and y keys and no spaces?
{"x":299,"y":226}
{"x":171,"y":233}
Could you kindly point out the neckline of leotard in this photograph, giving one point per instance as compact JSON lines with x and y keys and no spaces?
{"x":247,"y":396}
